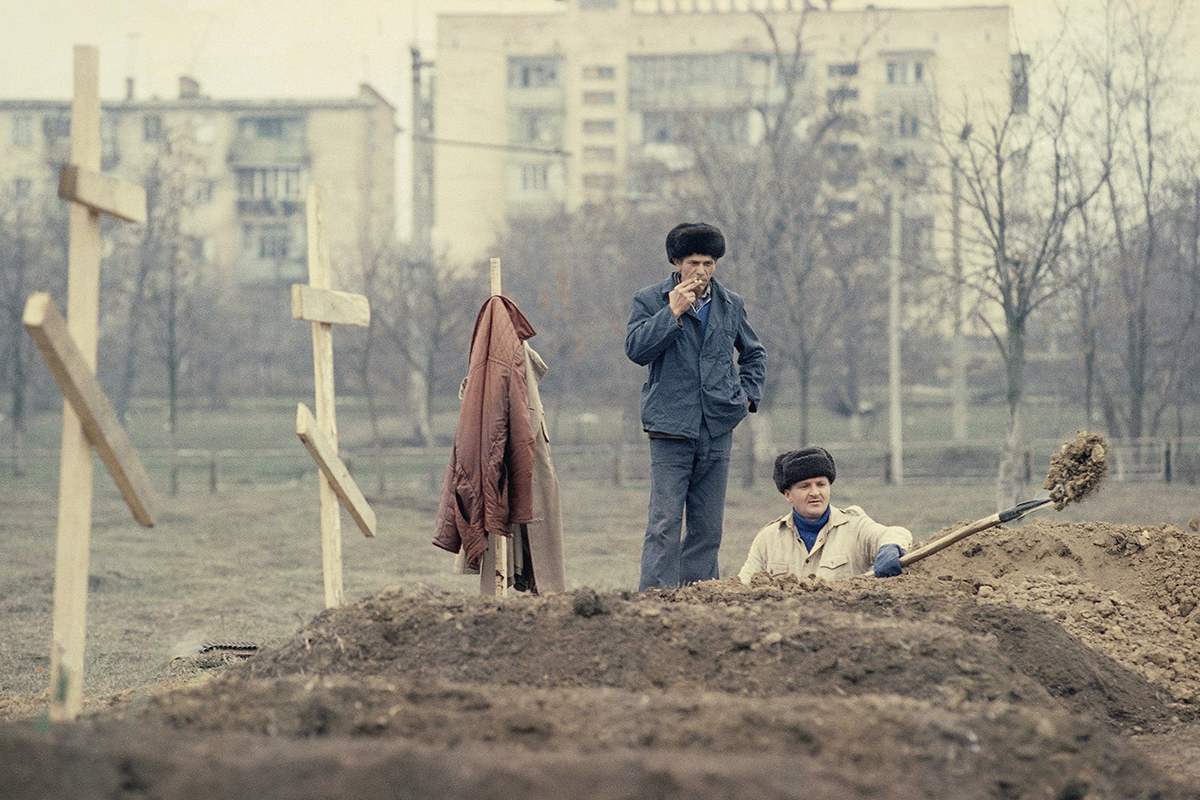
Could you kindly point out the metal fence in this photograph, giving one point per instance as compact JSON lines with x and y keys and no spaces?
{"x":417,"y":470}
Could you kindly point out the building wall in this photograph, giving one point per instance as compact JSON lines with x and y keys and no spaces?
{"x":598,"y":151}
{"x":247,"y":165}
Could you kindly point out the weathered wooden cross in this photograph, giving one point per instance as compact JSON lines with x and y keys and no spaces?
{"x":324,"y":308}
{"x":69,"y":348}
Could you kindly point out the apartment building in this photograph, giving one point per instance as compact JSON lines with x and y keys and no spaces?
{"x":536,"y":113}
{"x":247,"y":164}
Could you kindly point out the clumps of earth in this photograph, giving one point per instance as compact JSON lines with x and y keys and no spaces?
{"x":1051,"y":660}
{"x":1077,"y":469}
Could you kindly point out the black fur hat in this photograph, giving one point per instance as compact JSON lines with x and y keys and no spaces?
{"x":800,"y":465}
{"x":689,"y":238}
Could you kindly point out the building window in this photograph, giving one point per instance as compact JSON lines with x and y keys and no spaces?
{"x":600,"y":181}
{"x":605,"y":154}
{"x":902,"y":125}
{"x":536,"y":126}
{"x":279,"y":183}
{"x":599,"y":73}
{"x":275,"y":128}
{"x":202,"y":191}
{"x":532,"y":73}
{"x":56,"y":126}
{"x":843,"y":70}
{"x":599,"y":98}
{"x":843,"y":94}
{"x":1020,"y":83}
{"x":599,"y":126}
{"x":901,"y":72}
{"x":665,"y":127}
{"x":22,"y":189}
{"x":274,"y":242}
{"x":22,"y":130}
{"x":108,"y":139}
{"x":152,"y":128}
{"x":535,"y":178}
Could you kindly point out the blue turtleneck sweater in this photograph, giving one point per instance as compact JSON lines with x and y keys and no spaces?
{"x":807,"y":529}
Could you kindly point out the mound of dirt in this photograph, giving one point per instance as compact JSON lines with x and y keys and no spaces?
{"x":1052,"y":660}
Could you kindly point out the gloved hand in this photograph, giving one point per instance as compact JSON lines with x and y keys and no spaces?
{"x":887,"y":561}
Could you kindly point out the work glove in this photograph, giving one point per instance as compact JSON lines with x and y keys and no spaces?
{"x":887,"y":561}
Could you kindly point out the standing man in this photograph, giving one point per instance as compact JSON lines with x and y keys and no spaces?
{"x":686,"y":330}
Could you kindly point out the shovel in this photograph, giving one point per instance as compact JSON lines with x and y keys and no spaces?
{"x":1075,"y":472}
{"x":999,"y":518}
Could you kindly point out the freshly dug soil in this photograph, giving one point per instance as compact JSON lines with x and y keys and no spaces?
{"x":1052,"y":660}
{"x":1077,"y":469}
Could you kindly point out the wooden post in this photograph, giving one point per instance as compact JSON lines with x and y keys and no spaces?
{"x":71,"y":352}
{"x":493,"y":569}
{"x":319,"y":304}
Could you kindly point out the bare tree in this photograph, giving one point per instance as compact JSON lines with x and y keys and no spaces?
{"x":1131,"y":74}
{"x":783,"y":202}
{"x":1021,"y":184}
{"x":32,"y":259}
{"x":424,"y":309}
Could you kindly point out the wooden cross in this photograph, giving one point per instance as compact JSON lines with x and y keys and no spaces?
{"x":493,"y":569}
{"x":324,"y":308}
{"x":69,"y":348}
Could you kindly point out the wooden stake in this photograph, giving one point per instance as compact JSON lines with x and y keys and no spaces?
{"x":493,"y":569}
{"x":71,"y":353}
{"x":324,"y":307}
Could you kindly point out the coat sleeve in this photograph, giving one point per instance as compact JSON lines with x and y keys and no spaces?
{"x":873,"y":535}
{"x":650,"y":330}
{"x":756,"y":559}
{"x":752,"y":361}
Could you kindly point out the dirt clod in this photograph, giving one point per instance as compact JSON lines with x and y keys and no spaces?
{"x":1077,"y":469}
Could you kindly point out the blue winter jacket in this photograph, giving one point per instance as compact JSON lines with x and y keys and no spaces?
{"x":693,"y":374}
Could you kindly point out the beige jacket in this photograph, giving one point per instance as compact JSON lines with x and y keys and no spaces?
{"x":845,"y":547}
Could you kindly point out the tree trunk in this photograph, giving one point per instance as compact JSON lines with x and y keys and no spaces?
{"x":1008,"y":480}
{"x":1012,"y":451}
{"x":18,"y":419}
{"x":803,"y":373}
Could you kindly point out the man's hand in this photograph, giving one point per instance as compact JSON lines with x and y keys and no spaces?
{"x":683,"y":295}
{"x":887,"y":561}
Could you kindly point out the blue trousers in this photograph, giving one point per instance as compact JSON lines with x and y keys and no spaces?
{"x":685,"y":474}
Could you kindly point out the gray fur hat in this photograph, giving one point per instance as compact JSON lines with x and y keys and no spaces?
{"x":689,"y":238}
{"x":800,"y":465}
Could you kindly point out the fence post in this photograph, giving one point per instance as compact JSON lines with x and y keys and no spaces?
{"x":616,"y":465}
{"x":213,"y":470}
{"x":1028,"y":465}
{"x":887,"y":467}
{"x":1167,"y":461}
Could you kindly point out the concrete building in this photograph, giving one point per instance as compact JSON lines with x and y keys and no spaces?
{"x":542,"y":112}
{"x":247,"y":162}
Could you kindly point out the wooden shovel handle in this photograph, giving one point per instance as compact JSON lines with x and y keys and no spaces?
{"x":942,"y":542}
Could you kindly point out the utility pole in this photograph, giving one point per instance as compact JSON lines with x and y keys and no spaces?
{"x":896,"y":441}
{"x":422,"y":153}
{"x":422,"y":229}
{"x":958,"y":388}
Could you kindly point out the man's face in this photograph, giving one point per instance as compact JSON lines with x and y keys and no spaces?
{"x":809,"y":497}
{"x":696,"y":266}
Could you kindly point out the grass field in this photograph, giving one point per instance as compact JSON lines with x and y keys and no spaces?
{"x":244,"y":563}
